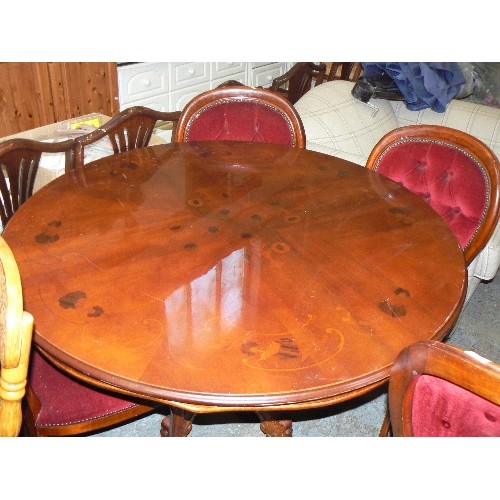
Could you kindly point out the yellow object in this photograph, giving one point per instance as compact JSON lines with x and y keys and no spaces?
{"x":94,"y":122}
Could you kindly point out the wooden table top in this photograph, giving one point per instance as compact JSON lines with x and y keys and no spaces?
{"x":234,"y":274}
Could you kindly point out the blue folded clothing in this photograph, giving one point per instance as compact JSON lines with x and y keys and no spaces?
{"x":423,"y":85}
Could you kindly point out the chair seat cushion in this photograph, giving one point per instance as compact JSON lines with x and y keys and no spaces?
{"x":441,"y":408}
{"x":65,"y":401}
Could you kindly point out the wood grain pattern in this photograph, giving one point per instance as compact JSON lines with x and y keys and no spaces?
{"x":33,"y":94}
{"x":234,"y":275}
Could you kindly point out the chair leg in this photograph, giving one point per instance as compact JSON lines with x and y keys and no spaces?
{"x":385,"y":430}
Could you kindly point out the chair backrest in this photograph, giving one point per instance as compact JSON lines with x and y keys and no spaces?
{"x":19,"y":162}
{"x":16,"y":327}
{"x":436,"y":389}
{"x":349,"y":71}
{"x":129,"y":129}
{"x":457,"y":174}
{"x":298,"y":80}
{"x":240,"y":113}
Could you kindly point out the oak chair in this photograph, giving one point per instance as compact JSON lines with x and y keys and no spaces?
{"x":298,"y":80}
{"x":436,"y":389}
{"x":240,"y":113}
{"x":19,"y":162}
{"x":129,"y":129}
{"x":16,"y":328}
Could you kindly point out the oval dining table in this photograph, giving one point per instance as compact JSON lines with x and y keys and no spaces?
{"x":228,"y":276}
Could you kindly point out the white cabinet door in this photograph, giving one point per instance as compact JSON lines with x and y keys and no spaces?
{"x":168,"y":86}
{"x":179,"y":98}
{"x":141,"y":81}
{"x":263,"y":76}
{"x":183,"y":75}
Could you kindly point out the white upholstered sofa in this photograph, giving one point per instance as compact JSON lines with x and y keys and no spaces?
{"x":338,"y":124}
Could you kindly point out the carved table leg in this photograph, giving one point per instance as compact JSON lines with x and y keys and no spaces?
{"x":177,"y":424}
{"x":272,"y":427}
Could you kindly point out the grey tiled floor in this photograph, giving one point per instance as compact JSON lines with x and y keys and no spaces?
{"x":477,"y":329}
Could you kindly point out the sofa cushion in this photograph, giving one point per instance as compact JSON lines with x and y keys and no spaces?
{"x":478,"y":120}
{"x":334,"y":119}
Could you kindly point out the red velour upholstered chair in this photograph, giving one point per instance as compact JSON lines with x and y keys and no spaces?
{"x":240,"y":113}
{"x":56,"y":404}
{"x":457,"y":174}
{"x":439,"y":390}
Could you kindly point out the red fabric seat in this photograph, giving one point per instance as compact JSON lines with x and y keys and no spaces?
{"x":440,"y":390}
{"x":72,"y":401}
{"x":454,"y":172}
{"x":441,"y":408}
{"x":59,"y":405}
{"x":240,"y":113}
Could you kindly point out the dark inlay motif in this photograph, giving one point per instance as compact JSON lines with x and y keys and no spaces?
{"x":46,"y":238}
{"x":224,"y":211}
{"x":70,"y":300}
{"x":190,"y":246}
{"x":96,"y":312}
{"x":288,"y":349}
{"x":175,"y":228}
{"x":293,"y":219}
{"x":400,"y":291}
{"x":246,"y":235}
{"x":394,"y":310}
{"x":195,"y":202}
{"x":213,"y":229}
{"x":280,"y":247}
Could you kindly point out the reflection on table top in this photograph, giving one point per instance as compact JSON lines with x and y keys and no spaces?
{"x":233,"y":274}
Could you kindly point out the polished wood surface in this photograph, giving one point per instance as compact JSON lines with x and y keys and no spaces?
{"x":234,"y":275}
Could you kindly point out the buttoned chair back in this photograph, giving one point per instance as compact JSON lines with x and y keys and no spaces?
{"x":16,"y":328}
{"x":240,"y":113}
{"x":439,"y":390}
{"x":457,"y":174}
{"x":19,"y":162}
{"x":130,"y":129}
{"x":298,"y":80}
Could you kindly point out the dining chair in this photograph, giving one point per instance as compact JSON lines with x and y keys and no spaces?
{"x":457,"y":174}
{"x":298,"y":80}
{"x":349,"y":71}
{"x":59,"y":404}
{"x":129,"y":129}
{"x":19,"y":162}
{"x":439,"y":390}
{"x":240,"y":113}
{"x":16,"y":328}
